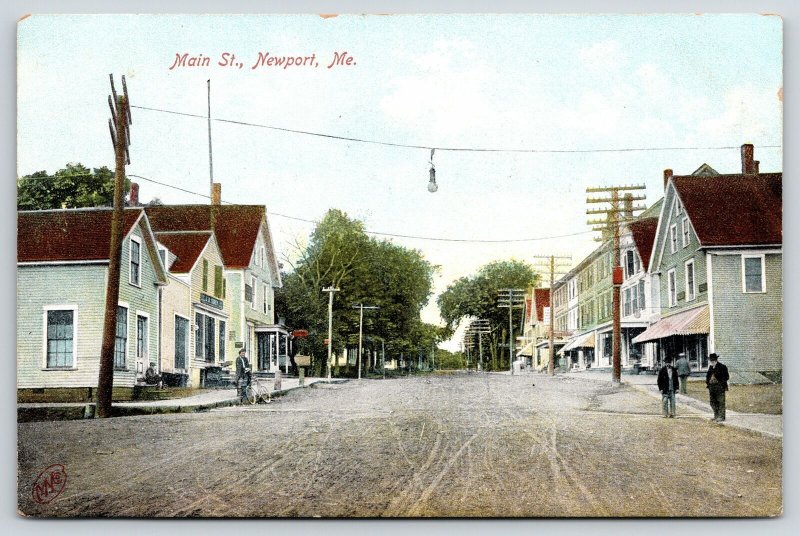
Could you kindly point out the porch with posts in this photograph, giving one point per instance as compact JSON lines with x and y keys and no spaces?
{"x":273,"y":346}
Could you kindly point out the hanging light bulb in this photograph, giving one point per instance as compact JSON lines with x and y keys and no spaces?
{"x":432,"y":187}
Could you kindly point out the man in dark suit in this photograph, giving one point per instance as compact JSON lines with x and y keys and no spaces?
{"x":668,"y":384}
{"x":242,"y":372}
{"x":717,"y":382}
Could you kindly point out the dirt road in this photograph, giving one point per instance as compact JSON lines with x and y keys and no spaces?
{"x":456,"y":445}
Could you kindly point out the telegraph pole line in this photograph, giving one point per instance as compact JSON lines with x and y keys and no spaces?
{"x":615,"y":214}
{"x":361,"y":308}
{"x":551,"y":260}
{"x":330,"y":290}
{"x":479,"y":327}
{"x":119,"y":128}
{"x":511,"y":298}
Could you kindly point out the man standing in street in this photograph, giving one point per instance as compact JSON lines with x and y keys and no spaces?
{"x":242,"y":373}
{"x":682,"y":365}
{"x":668,"y":384}
{"x":717,"y":382}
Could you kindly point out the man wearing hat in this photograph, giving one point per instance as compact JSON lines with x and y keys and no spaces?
{"x":668,"y":384}
{"x":682,"y":365}
{"x":717,"y":382}
{"x":242,"y":372}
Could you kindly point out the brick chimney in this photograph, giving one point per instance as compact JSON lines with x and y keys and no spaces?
{"x":216,"y":193}
{"x":748,"y":165}
{"x":133,"y":197}
{"x":667,"y":177}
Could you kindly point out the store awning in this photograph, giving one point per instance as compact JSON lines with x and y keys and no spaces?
{"x":693,"y":322}
{"x":526,"y":350}
{"x":583,"y":341}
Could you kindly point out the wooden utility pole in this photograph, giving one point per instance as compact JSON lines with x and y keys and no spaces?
{"x":479,"y":327}
{"x":615,"y":213}
{"x":511,"y":298}
{"x":330,"y":290}
{"x":554,"y":269}
{"x":361,"y":308}
{"x":118,"y":125}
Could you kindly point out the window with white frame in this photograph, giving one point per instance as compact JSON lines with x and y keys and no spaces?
{"x":685,"y":231}
{"x":121,"y":338}
{"x":672,"y":290}
{"x":629,"y":264}
{"x":263,"y":256}
{"x":673,"y":238}
{"x":60,"y":337}
{"x":753,"y":274}
{"x":254,"y":286}
{"x":135,"y":261}
{"x":641,"y":295}
{"x":677,"y":206}
{"x":691,"y":289}
{"x":265,"y":297}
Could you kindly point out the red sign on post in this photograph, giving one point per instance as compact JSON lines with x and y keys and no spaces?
{"x":618,"y":275}
{"x":326,"y":342}
{"x":300,"y":333}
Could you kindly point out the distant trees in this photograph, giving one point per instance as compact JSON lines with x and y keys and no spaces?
{"x":74,"y":186}
{"x":366,"y":270}
{"x":476,"y":296}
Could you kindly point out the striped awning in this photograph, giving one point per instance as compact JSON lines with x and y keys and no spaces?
{"x":692,"y":322}
{"x":583,"y":341}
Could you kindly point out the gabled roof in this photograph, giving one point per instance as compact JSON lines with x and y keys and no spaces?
{"x":542,"y":297}
{"x":236,"y":227}
{"x":644,"y":236}
{"x":68,"y":235}
{"x":734,"y":210}
{"x":186,"y":246}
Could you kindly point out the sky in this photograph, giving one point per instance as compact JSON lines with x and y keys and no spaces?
{"x":571,"y":100}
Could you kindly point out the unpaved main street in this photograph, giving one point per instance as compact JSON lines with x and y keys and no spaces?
{"x":451,"y":445}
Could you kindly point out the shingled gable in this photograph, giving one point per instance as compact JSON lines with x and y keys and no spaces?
{"x":734,"y":210}
{"x":235,"y":227}
{"x":644,"y":236}
{"x":186,"y":246}
{"x":77,"y":235}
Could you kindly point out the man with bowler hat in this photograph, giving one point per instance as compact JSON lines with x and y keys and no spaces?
{"x":717,"y":382}
{"x":668,"y":384}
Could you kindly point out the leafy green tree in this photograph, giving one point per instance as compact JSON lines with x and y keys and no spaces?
{"x":374,"y":272}
{"x":476,"y":297}
{"x":75,"y":186}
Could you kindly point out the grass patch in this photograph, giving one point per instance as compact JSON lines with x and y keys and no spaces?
{"x":767,"y":398}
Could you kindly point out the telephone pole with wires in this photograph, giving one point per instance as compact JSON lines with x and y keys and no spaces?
{"x":619,"y":209}
{"x":556,"y":264}
{"x":511,"y":298}
{"x":119,"y":127}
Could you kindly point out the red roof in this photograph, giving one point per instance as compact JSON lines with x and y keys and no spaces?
{"x":644,"y":235}
{"x":734,"y":210}
{"x":542,"y":296}
{"x":235,"y":226}
{"x":68,"y":235}
{"x":186,"y":246}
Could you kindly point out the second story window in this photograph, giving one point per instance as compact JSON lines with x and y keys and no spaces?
{"x":753,"y":276}
{"x":205,"y":275}
{"x":218,"y":282}
{"x":691,"y":293}
{"x":253,"y":285}
{"x":136,"y":260}
{"x":672,"y":291}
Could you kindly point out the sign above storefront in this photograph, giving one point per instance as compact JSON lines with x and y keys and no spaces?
{"x":210,"y":301}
